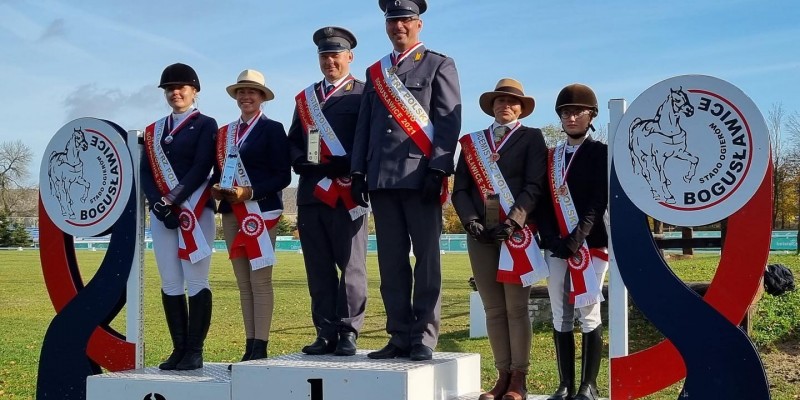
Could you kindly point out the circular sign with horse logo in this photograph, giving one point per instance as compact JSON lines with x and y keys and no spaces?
{"x":691,"y":150}
{"x":86,"y":176}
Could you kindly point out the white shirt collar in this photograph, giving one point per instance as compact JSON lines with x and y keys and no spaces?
{"x":509,"y":125}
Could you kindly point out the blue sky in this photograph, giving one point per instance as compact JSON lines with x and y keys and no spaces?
{"x":60,"y":60}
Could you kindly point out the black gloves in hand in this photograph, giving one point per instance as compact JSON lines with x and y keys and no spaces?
{"x":474,"y":229}
{"x":432,"y":185}
{"x":303,"y":167}
{"x":358,"y":189}
{"x":337,"y":166}
{"x":563,"y":248}
{"x":161,"y":210}
{"x":502,"y":232}
{"x":163,"y":213}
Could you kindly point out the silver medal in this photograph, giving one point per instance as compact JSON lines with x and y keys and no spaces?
{"x":168,"y":140}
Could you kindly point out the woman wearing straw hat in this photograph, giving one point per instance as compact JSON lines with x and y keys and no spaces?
{"x":498,"y":182}
{"x":577,"y":253}
{"x":251,"y":170}
{"x":178,"y":156}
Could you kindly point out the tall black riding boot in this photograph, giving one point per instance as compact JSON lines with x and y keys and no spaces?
{"x":199,"y":321}
{"x":565,"y":358}
{"x":177,"y":322}
{"x":592,"y":348}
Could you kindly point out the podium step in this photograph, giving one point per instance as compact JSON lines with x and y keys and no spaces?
{"x":213,"y":381}
{"x":299,"y":376}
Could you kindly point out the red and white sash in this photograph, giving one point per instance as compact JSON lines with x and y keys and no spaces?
{"x":585,"y":289}
{"x":404,"y":107}
{"x":521,"y":261}
{"x":329,"y":191}
{"x":192,"y":244}
{"x":252,"y":240}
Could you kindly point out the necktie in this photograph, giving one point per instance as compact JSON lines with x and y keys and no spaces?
{"x":240,"y":131}
{"x":328,"y":90}
{"x":498,"y":133}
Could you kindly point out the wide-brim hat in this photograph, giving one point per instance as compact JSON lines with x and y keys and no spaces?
{"x":507,"y":87}
{"x":402,"y":8}
{"x":253,"y":79}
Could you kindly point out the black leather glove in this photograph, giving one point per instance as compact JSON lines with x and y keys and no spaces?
{"x":358,"y":189}
{"x":563,"y":248}
{"x":171,"y":221}
{"x":303,"y":167}
{"x":432,"y":185}
{"x":163,"y":213}
{"x":502,"y":232}
{"x":474,"y":229}
{"x":337,"y":166}
{"x":160,"y":210}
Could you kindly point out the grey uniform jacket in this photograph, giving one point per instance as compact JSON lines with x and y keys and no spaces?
{"x":383,"y":151}
{"x":341,"y":111}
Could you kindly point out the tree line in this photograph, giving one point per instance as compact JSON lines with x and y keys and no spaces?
{"x":18,"y":201}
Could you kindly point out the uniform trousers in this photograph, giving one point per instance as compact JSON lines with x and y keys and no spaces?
{"x":558,"y":287}
{"x":255,"y":287}
{"x":508,"y":323}
{"x":402,"y":219}
{"x":180,"y":276}
{"x":331,"y":239}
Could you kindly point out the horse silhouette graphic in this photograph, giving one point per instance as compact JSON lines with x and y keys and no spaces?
{"x":65,"y":168}
{"x":654,"y":141}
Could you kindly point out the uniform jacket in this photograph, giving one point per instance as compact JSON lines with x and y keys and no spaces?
{"x":191,"y":155}
{"x":265,"y":155}
{"x":383,"y":150}
{"x":588,"y":185}
{"x":341,"y":111}
{"x":523,"y":161}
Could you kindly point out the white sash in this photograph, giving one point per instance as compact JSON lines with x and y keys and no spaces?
{"x":327,"y":190}
{"x":585,"y":289}
{"x":253,"y":236}
{"x":521,"y":239}
{"x":191,"y":240}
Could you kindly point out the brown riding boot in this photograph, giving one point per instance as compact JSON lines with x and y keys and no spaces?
{"x":499,"y":388}
{"x":516,"y":386}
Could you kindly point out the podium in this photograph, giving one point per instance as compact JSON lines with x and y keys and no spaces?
{"x":449,"y":376}
{"x":299,"y":376}
{"x":212,"y":382}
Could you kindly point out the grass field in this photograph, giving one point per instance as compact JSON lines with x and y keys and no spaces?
{"x":25,"y":312}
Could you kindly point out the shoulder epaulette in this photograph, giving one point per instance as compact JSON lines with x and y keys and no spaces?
{"x":435,"y":52}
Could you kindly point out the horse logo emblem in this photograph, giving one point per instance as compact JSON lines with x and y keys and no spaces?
{"x":66,"y":168}
{"x":89,"y":175}
{"x":652,"y":142}
{"x":689,"y":149}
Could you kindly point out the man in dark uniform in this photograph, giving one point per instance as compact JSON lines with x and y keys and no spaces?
{"x":333,"y":229}
{"x":408,"y":126}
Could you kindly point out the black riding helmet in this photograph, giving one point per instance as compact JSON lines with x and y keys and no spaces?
{"x":579,"y":95}
{"x":179,"y":74}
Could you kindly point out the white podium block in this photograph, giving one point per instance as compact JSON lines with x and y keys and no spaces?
{"x":299,"y":376}
{"x":477,"y":316}
{"x":213,"y":381}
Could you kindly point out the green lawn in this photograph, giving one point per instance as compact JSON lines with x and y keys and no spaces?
{"x":26,"y":312}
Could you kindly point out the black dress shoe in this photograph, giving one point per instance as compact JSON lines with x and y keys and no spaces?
{"x":420,"y":352}
{"x":346,"y":345}
{"x":389,"y":351}
{"x":320,"y":346}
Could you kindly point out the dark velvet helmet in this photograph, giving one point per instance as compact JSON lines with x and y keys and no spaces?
{"x":179,"y":74}
{"x":578,"y":95}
